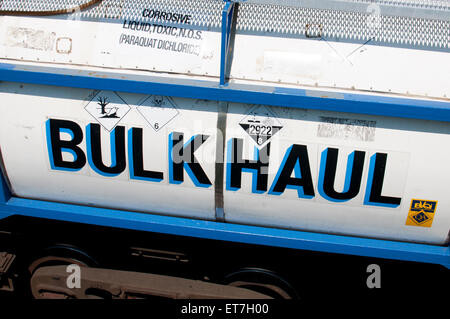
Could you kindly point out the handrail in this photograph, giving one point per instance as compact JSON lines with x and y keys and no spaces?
{"x":26,"y":13}
{"x":227,"y":23}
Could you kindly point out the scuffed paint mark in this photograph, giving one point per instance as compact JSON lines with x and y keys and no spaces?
{"x":325,"y":95}
{"x":347,"y":129}
{"x":64,"y":45}
{"x":7,"y":66}
{"x":359,"y":48}
{"x":30,"y":39}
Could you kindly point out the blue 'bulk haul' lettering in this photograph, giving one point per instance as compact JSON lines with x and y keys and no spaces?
{"x":293,"y":173}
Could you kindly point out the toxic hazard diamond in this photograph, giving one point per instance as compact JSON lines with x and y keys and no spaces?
{"x":108,"y":108}
{"x":261,"y":124}
{"x":421,"y":213}
{"x":158,"y":111}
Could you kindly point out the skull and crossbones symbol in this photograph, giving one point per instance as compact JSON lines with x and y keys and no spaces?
{"x":158,"y":100}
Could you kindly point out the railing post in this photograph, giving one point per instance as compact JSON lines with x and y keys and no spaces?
{"x":227,"y":23}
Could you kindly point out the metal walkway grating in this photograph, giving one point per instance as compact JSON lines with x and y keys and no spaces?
{"x":205,"y":13}
{"x":338,"y":20}
{"x":343,"y":25}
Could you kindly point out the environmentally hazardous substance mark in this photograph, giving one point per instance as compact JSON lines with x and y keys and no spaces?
{"x":421,"y":213}
{"x":158,"y":111}
{"x":108,"y":108}
{"x":261,"y":124}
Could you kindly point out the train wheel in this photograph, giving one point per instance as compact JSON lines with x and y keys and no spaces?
{"x":55,"y":256}
{"x":262,"y":281}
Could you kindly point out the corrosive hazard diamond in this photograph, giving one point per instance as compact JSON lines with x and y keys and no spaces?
{"x":261,"y":124}
{"x":108,"y":108}
{"x":158,"y":111}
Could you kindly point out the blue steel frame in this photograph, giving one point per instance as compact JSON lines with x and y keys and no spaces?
{"x":227,"y":23}
{"x":223,"y":91}
{"x":230,"y":92}
{"x":10,"y":205}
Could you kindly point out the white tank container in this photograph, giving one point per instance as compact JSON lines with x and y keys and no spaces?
{"x":296,"y":168}
{"x":394,"y":161}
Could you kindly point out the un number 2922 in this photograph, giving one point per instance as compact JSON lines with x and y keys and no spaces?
{"x":260,"y":130}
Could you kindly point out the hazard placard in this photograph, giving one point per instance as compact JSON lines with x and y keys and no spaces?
{"x":261,"y":124}
{"x":421,"y":213}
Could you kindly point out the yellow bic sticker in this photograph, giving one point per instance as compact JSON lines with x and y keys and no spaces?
{"x":421,"y":213}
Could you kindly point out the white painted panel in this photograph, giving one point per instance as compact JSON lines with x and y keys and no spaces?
{"x":25,"y":110}
{"x":183,"y":49}
{"x":258,"y":56}
{"x":323,"y":63}
{"x":416,"y":168}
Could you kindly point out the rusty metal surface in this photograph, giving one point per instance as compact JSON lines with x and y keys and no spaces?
{"x":44,"y":8}
{"x":51,"y":282}
{"x":6,"y":282}
{"x":6,"y":260}
{"x":159,"y":254}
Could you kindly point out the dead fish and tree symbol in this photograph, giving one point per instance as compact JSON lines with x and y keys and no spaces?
{"x":110,"y":112}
